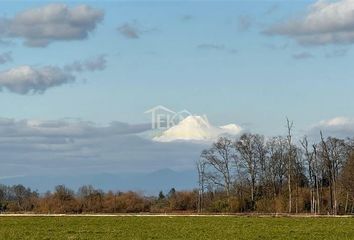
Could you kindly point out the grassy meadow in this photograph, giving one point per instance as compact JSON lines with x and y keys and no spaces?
{"x":176,"y":227}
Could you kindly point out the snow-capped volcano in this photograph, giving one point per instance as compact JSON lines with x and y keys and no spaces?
{"x":196,"y":128}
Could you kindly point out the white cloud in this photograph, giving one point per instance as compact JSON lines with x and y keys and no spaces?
{"x":337,"y":127}
{"x":326,"y":22}
{"x":53,"y":22}
{"x":26,"y":79}
{"x":196,"y":128}
{"x":335,"y":122}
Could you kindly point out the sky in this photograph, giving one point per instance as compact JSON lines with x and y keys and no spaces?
{"x":76,"y":77}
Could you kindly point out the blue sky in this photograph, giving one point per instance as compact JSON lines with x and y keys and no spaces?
{"x":257,"y":85}
{"x":252,"y":63}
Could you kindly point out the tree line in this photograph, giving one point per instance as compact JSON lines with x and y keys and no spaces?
{"x":257,"y":174}
{"x":87,"y":199}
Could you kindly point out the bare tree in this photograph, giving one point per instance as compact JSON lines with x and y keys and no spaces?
{"x":290,"y":160}
{"x":309,"y":158}
{"x":251,"y":150}
{"x":218,"y":159}
{"x":277,"y":164}
{"x":334,"y":153}
{"x":262,"y":156}
{"x":201,"y":164}
{"x":317,"y":171}
{"x":347,"y":179}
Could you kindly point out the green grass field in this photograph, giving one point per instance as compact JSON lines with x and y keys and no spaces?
{"x":175,"y":228}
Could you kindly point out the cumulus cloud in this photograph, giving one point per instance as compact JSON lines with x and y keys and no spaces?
{"x":39,"y":27}
{"x":26,"y":79}
{"x":94,"y":64}
{"x":134,"y":30}
{"x":36,"y":80}
{"x":326,"y":22}
{"x":5,"y":57}
{"x":338,"y":127}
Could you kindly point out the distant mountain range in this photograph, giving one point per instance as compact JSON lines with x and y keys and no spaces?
{"x":147,"y":183}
